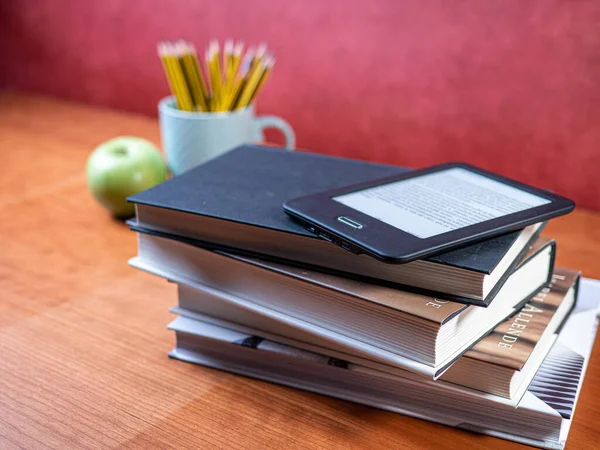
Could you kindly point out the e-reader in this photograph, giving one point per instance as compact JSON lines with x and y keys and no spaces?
{"x":423,"y":212}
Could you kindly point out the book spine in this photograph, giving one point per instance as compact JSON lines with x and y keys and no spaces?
{"x":576,"y":293}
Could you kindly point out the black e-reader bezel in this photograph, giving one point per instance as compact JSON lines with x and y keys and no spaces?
{"x":360,"y":233}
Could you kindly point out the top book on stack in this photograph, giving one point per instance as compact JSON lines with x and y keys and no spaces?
{"x":234,"y":203}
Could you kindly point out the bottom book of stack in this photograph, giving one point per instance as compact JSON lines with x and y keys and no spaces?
{"x":539,"y":415}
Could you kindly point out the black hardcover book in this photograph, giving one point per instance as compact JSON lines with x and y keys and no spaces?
{"x":234,"y":202}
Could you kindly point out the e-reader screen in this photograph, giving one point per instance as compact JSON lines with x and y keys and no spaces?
{"x":440,"y":202}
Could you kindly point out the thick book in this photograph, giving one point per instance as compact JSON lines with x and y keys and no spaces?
{"x":490,"y":378}
{"x":542,"y":417}
{"x":419,"y":333}
{"x":509,"y":356}
{"x":234,"y":202}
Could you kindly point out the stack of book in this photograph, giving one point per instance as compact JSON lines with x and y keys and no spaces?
{"x":490,"y":337}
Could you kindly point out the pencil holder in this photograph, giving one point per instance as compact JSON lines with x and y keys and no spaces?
{"x":193,"y":138}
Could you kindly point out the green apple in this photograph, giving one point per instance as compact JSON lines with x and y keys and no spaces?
{"x":121,"y":167}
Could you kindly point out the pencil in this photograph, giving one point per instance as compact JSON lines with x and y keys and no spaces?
{"x":199,"y":74}
{"x":215,"y":74}
{"x":261,"y":51}
{"x":250,"y":85}
{"x":269,"y":63}
{"x":233,"y":80}
{"x":242,"y":79}
{"x":237,"y":60}
{"x":229,"y":88}
{"x":192,"y":75}
{"x":227,"y":58}
{"x":184,"y":96}
{"x":227,"y":78}
{"x":166,"y":68}
{"x":174,"y":71}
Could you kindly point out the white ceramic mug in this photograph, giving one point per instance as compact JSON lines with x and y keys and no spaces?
{"x":193,"y":138}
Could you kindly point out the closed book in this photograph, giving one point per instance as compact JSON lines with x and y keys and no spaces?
{"x":416,"y":332}
{"x":509,"y":356}
{"x":234,"y":202}
{"x":541,"y":417}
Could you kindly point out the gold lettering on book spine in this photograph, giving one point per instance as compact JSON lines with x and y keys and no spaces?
{"x":436,"y":303}
{"x":516,"y":328}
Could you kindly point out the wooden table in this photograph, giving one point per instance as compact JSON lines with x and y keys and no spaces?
{"x":83,"y":343}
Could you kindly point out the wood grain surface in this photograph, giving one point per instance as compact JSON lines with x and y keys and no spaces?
{"x":83,"y":339}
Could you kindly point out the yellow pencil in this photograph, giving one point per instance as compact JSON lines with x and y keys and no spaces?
{"x":227,"y":58}
{"x":255,"y":63}
{"x":215,"y":74}
{"x":236,"y":86}
{"x":241,"y":79}
{"x":160,"y":48}
{"x":191,"y":74}
{"x":236,"y":60}
{"x":175,"y":73}
{"x":225,"y":78}
{"x":209,"y":75}
{"x":177,"y":69}
{"x":269,"y":63}
{"x":198,"y":71}
{"x":230,"y":81}
{"x":251,"y":84}
{"x":261,"y":51}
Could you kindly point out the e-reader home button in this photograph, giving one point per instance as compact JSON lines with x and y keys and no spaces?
{"x":350,"y":222}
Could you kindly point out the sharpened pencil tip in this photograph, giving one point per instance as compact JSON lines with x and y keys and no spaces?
{"x":239,"y":47}
{"x":262,"y":49}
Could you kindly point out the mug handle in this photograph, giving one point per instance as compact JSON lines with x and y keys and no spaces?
{"x":278,"y":123}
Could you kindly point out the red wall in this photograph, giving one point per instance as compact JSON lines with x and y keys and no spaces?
{"x":510,"y":85}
